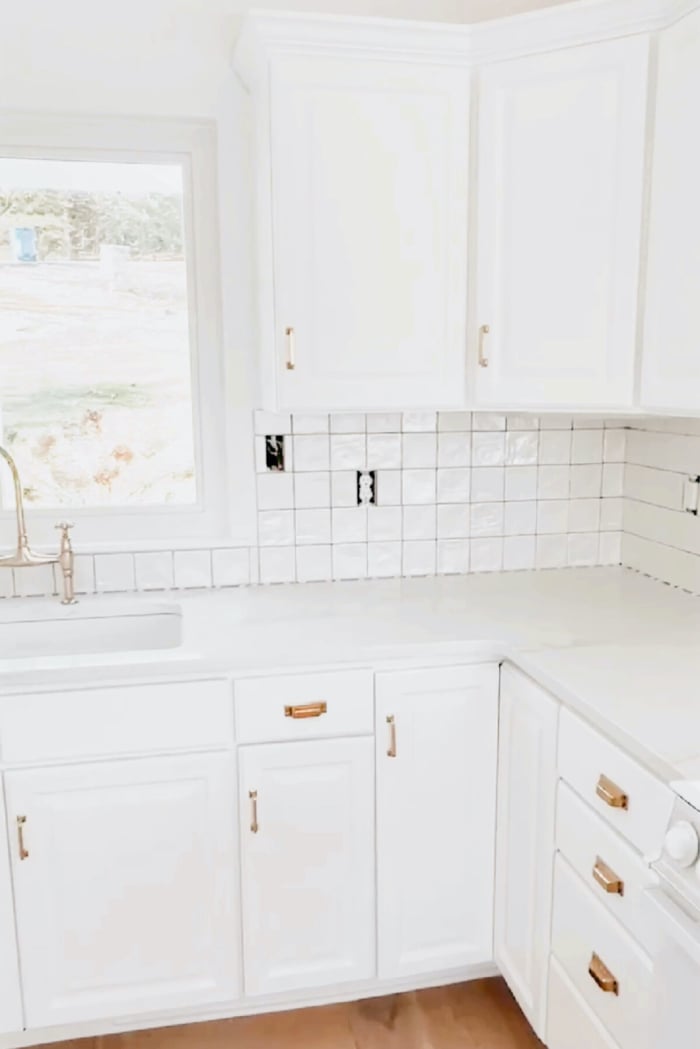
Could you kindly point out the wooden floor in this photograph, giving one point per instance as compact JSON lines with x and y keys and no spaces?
{"x":478,"y":1015}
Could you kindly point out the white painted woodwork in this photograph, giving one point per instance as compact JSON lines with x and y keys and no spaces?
{"x":436,"y":818}
{"x":116,"y":721}
{"x":308,"y":871}
{"x":126,"y":902}
{"x":369,"y":179}
{"x":527,"y":782}
{"x":341,"y":702}
{"x":571,"y":1024}
{"x":582,"y":837}
{"x":10,"y":996}
{"x":581,"y":926}
{"x":561,"y":146}
{"x":671,"y":358}
{"x":584,"y":755}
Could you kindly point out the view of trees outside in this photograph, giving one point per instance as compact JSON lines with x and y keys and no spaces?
{"x":95,"y":360}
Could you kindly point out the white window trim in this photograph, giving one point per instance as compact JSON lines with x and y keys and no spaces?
{"x":215,"y":521}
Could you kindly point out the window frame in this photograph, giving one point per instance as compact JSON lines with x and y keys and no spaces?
{"x":192,"y":144}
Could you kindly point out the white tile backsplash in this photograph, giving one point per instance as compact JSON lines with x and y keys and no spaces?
{"x":456,"y":492}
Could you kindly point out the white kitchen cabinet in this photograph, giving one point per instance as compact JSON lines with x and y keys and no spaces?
{"x":561,"y":147}
{"x":436,"y":807}
{"x":125,"y":891}
{"x":10,"y":997}
{"x":671,"y":358}
{"x":369,"y":176}
{"x":307,"y":847}
{"x":527,"y":782}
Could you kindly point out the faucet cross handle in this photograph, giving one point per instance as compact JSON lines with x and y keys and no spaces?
{"x":64,"y":526}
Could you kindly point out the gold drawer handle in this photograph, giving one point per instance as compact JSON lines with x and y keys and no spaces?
{"x":23,"y":853}
{"x":254,"y":826}
{"x":306,"y":710}
{"x":611,"y":794}
{"x":607,"y":879}
{"x":601,"y":975}
{"x":391,"y":722}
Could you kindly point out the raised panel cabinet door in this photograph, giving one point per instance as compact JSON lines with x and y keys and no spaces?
{"x":369,"y":180}
{"x":671,"y":357}
{"x":527,"y":783}
{"x":125,"y":887}
{"x":560,"y":186}
{"x":307,"y":834}
{"x":10,"y":996}
{"x":436,"y":807}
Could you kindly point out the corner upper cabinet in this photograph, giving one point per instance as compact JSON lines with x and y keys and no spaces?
{"x":363,"y":199}
{"x":671,"y":360}
{"x":561,"y":150}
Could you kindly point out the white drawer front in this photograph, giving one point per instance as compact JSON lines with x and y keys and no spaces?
{"x":614,"y":872}
{"x":304,"y":706}
{"x":587,"y":760}
{"x":581,"y":927}
{"x":570,"y":1023}
{"x":111,"y":722}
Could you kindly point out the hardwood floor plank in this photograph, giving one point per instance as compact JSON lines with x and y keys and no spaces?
{"x":477,"y":1015}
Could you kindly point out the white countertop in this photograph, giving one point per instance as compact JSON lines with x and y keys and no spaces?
{"x":617,"y":647}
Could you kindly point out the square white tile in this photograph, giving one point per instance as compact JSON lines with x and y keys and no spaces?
{"x":486,"y":555}
{"x":453,"y":485}
{"x":231,"y":567}
{"x":347,"y":422}
{"x":277,"y":564}
{"x":311,"y":453}
{"x":521,"y":482}
{"x":488,"y":484}
{"x":419,"y":450}
{"x":452,"y":521}
{"x":453,"y":556}
{"x":344,"y":488}
{"x":114,"y":573}
{"x":384,"y":523}
{"x":488,"y":449}
{"x":350,"y":561}
{"x":384,"y":560}
{"x":154,"y":570}
{"x":419,"y":557}
{"x":419,"y":522}
{"x":384,"y":451}
{"x":313,"y":564}
{"x":454,"y":449}
{"x":192,"y":569}
{"x":276,"y":527}
{"x":349,"y":524}
{"x":275,"y":491}
{"x":313,"y":527}
{"x":415,"y":421}
{"x":348,"y":451}
{"x":312,"y":490}
{"x":419,"y":486}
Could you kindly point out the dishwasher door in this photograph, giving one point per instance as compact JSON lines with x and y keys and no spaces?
{"x":676,"y":1005}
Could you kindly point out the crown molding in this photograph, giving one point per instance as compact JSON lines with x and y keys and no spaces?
{"x":267,"y":34}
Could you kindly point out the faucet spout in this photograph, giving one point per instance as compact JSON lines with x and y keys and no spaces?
{"x":22,"y":541}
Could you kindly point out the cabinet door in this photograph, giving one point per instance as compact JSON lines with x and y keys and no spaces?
{"x":436,"y":805}
{"x":369,"y":176}
{"x":10,"y":998}
{"x":125,"y":895}
{"x":527,"y":782}
{"x":561,"y":168}
{"x":307,"y":826}
{"x":671,"y":361}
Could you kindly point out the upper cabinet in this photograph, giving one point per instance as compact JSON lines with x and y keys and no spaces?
{"x":671,"y":361}
{"x":561,"y":146}
{"x":369,"y":166}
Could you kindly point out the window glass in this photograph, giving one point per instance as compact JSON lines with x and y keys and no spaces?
{"x":95,"y":355}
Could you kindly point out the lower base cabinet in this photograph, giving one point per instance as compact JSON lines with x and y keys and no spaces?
{"x":124,"y":886}
{"x":527,"y":784}
{"x":437,"y":734}
{"x":307,"y":852}
{"x":10,"y":996}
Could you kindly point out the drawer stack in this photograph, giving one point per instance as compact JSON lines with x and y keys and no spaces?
{"x":611,"y":813}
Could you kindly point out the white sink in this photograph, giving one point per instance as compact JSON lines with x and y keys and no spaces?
{"x":35,"y":629}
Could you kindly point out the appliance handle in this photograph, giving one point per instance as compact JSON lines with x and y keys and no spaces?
{"x":675,"y":923}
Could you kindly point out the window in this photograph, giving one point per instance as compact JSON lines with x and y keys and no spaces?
{"x":110,"y":363}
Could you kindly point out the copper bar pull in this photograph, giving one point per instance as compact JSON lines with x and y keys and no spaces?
{"x":601,"y":975}
{"x":607,"y":879}
{"x":391,"y":722}
{"x":306,"y":710}
{"x":23,"y":853}
{"x":291,"y":349}
{"x":254,"y":826}
{"x":611,"y":794}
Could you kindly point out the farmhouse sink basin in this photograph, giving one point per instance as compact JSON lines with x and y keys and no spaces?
{"x":36,"y":629}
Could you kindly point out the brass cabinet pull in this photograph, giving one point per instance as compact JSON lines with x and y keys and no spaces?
{"x":254,"y":826}
{"x":611,"y":794}
{"x":291,"y":349}
{"x":306,"y":710}
{"x":483,"y":360}
{"x":23,"y":853}
{"x":601,"y":975}
{"x":391,"y":722}
{"x":607,"y":879}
